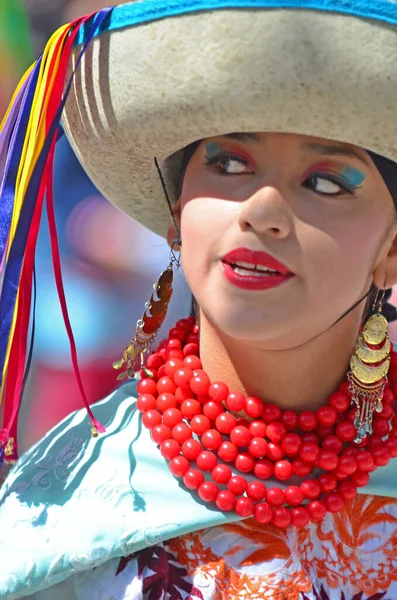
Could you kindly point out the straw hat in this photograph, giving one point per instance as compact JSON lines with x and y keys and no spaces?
{"x":162,"y":74}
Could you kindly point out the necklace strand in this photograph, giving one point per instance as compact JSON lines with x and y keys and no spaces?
{"x":202,"y":428}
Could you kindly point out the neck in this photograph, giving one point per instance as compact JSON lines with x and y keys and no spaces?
{"x":301,"y":378}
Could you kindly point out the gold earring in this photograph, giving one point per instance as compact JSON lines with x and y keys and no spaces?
{"x":152,"y":319}
{"x":369,"y":367}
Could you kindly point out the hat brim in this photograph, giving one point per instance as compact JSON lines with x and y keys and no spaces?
{"x":149,"y":90}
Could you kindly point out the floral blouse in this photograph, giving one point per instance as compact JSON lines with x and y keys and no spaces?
{"x":348,"y":556}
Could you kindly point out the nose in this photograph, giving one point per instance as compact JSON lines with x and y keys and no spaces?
{"x":266,"y":212}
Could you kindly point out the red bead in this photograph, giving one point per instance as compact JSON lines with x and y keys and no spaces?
{"x":276,"y":431}
{"x":347,"y":464}
{"x":145,"y":402}
{"x":172,"y":366}
{"x":244,"y":462}
{"x":391,"y":445}
{"x":151,"y":418}
{"x":256,"y":490}
{"x":374,"y":441}
{"x":258,"y":447}
{"x":327,"y":415}
{"x":310,"y":488}
{"x":291,"y":444}
{"x":200,"y":383}
{"x":381,"y":456}
{"x":190,"y":408}
{"x":192,"y":338}
{"x":237,"y":485}
{"x":290,"y":420}
{"x":293,"y":495}
{"x":240,"y":436}
{"x":360,"y":478}
{"x":347,"y":490}
{"x":235,"y":401}
{"x":328,"y":460}
{"x":172,"y":416}
{"x":173,"y":344}
{"x":283,"y":470}
{"x":147,"y":386}
{"x":173,"y":354}
{"x":228,"y":452}
{"x":244,"y":507}
{"x":339,"y":401}
{"x":387,"y":412}
{"x":380,"y":426}
{"x":169,"y":449}
{"x":212,"y":409}
{"x":221,"y":474}
{"x":206,"y":460}
{"x":324,"y":432}
{"x":200,"y":424}
{"x":192,"y":362}
{"x":160,"y":433}
{"x":388,"y":396}
{"x":300,"y":516}
{"x":161,"y":372}
{"x":316,"y":510}
{"x":275,"y":451}
{"x":309,"y":452}
{"x":179,"y":466}
{"x":253,"y":407}
{"x":181,"y":432}
{"x":203,"y":399}
{"x":154,"y":361}
{"x":275,"y":496}
{"x":191,"y":449}
{"x":218,"y":391}
{"x":165,"y":385}
{"x":307,"y":421}
{"x":183,"y":376}
{"x":271,"y":413}
{"x":225,"y":501}
{"x":364,"y":460}
{"x":257,"y":429}
{"x":165,"y":401}
{"x":263,"y":468}
{"x":327,"y":482}
{"x":182,"y":394}
{"x":208,"y":491}
{"x":333,"y":502}
{"x":301,"y":468}
{"x":311,"y":437}
{"x":184,"y":324}
{"x":281,"y":517}
{"x":332,"y":442}
{"x":177,"y":334}
{"x":263,"y":513}
{"x":346,"y":431}
{"x":211,"y":439}
{"x":225,"y":422}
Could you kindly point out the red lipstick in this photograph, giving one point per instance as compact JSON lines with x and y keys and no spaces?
{"x":254,"y":270}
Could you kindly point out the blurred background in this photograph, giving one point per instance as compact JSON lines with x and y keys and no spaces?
{"x":109,"y":262}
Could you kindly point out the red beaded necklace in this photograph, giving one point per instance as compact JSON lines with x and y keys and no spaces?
{"x":194,"y":422}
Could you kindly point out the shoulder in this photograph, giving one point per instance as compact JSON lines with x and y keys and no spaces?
{"x":73,"y":502}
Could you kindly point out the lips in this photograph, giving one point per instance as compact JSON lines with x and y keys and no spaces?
{"x":255,"y":270}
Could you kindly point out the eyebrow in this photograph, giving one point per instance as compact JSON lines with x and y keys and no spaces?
{"x":314,"y":147}
{"x":243,"y":136}
{"x":323,"y":149}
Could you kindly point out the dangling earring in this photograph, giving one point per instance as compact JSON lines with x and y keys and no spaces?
{"x":152,"y":319}
{"x":369,"y":366}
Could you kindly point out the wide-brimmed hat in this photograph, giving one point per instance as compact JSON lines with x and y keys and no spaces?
{"x":161,"y":75}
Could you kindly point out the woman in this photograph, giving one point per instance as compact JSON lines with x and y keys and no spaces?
{"x":271,"y":136}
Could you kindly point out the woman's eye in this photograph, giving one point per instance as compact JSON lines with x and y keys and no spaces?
{"x":325,"y":185}
{"x":229,"y":165}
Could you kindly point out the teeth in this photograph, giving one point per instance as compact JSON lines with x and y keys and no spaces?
{"x":252,"y":267}
{"x":253,"y":272}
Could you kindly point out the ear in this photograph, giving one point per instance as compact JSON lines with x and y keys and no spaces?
{"x":172,"y":232}
{"x":385,"y":273}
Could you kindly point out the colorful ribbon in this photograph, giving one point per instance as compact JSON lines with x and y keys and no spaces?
{"x":28,"y":136}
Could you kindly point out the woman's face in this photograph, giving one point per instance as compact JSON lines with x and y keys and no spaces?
{"x":281,"y":234}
